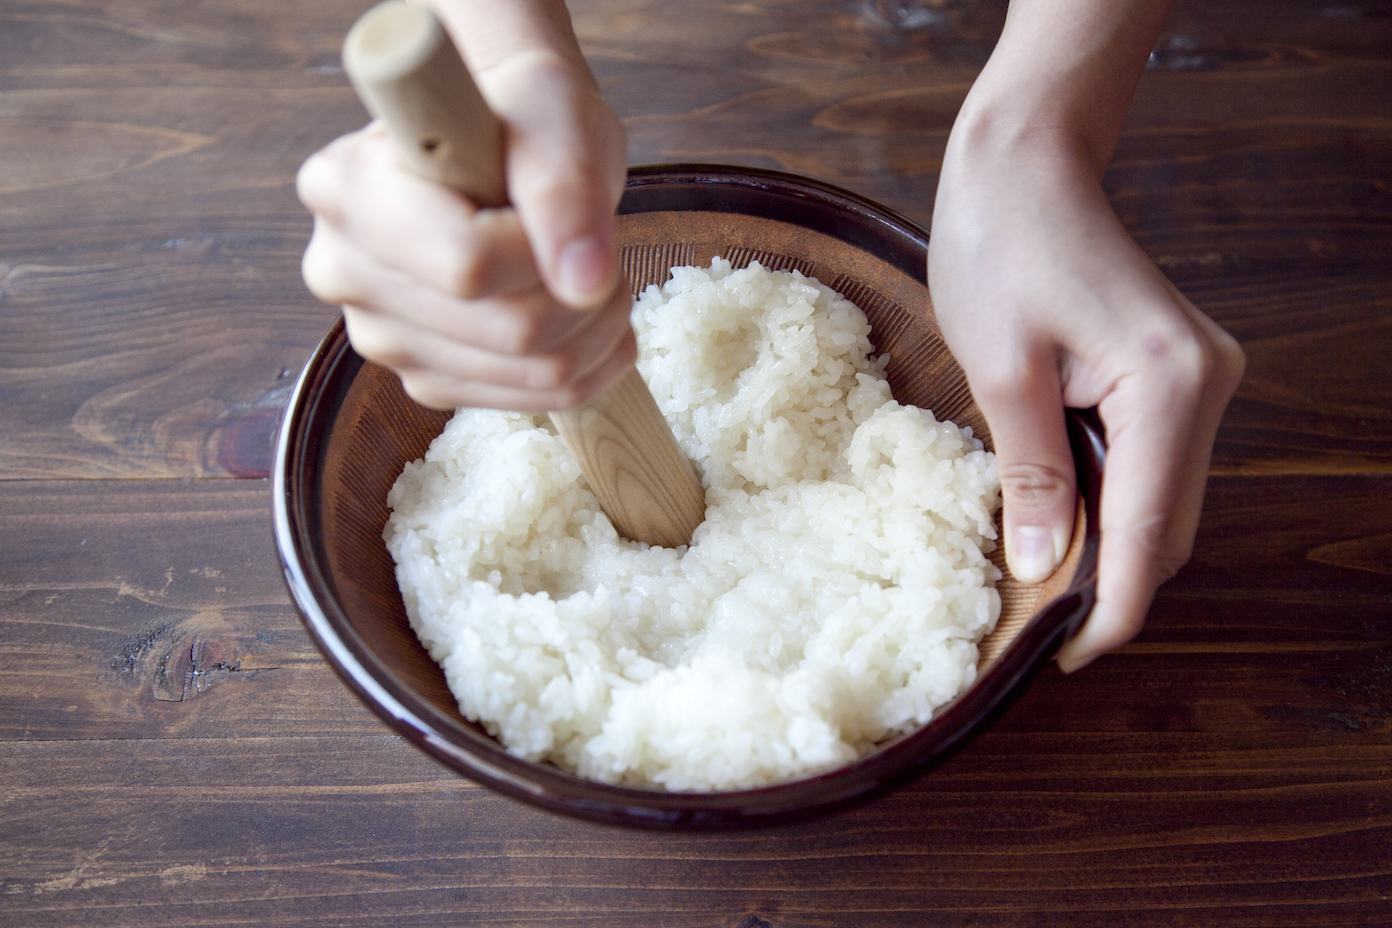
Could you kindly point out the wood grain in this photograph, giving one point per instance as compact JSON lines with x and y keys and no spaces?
{"x":173,"y":750}
{"x":1255,"y":724}
{"x":150,"y":250}
{"x":410,"y":75}
{"x":632,"y":462}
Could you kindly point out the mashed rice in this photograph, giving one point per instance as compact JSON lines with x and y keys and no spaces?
{"x":833,"y":597}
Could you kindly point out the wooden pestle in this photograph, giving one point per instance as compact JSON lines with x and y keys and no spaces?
{"x":409,"y":74}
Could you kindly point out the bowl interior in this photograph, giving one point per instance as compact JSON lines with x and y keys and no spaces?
{"x":370,"y":429}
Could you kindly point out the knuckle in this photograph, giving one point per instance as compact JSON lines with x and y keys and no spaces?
{"x":384,"y":355}
{"x":323,"y":273}
{"x":993,"y":386}
{"x":1180,"y":360}
{"x":1034,"y":485}
{"x":1197,"y":365}
{"x":509,"y":332}
{"x":1119,"y":631}
{"x":555,"y":373}
{"x":1231,"y":362}
{"x":1150,"y":533}
{"x":317,"y":184}
{"x":1178,"y":349}
{"x":1004,"y":379}
{"x":550,"y":187}
{"x":375,"y":342}
{"x":1196,"y":362}
{"x":466,"y":269}
{"x":567,"y":397}
{"x":529,"y":326}
{"x":525,"y":336}
{"x":559,"y":193}
{"x":427,"y":390}
{"x":1154,"y":538}
{"x":1169,"y":564}
{"x":489,"y":255}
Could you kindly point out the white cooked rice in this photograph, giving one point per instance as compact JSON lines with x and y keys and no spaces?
{"x":833,"y":597}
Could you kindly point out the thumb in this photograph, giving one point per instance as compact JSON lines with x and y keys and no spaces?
{"x":566,"y":170}
{"x":1035,"y":461}
{"x":568,"y":215}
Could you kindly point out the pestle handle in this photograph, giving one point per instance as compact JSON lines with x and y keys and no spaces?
{"x":409,"y":74}
{"x":635,"y":467}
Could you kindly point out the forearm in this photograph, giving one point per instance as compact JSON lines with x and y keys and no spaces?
{"x":1060,"y":79}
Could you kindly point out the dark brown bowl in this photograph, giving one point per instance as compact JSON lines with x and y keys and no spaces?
{"x":350,"y":429}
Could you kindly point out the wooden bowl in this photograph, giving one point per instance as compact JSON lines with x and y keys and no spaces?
{"x":350,"y":429}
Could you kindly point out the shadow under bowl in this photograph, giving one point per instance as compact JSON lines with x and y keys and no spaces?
{"x":350,"y":429}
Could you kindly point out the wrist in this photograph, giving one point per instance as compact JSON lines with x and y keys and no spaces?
{"x":1001,"y":135}
{"x":1060,"y":79}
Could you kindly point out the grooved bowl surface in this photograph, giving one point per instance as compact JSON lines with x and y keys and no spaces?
{"x":350,"y":429}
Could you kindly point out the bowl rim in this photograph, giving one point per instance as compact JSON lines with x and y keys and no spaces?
{"x":331,"y":368}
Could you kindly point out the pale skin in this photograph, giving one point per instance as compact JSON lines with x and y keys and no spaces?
{"x":1043,"y":297}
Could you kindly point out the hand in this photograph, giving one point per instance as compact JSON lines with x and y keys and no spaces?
{"x":1047,"y":302}
{"x":518,"y":308}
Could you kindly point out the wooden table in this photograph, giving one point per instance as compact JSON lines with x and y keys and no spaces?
{"x":174,"y":751}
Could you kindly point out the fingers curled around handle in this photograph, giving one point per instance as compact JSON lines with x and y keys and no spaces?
{"x":356,"y":188}
{"x":1161,"y":422}
{"x":445,"y":374}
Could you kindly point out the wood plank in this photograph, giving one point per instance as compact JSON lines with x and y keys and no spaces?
{"x":139,"y":609}
{"x":150,"y":159}
{"x":1239,"y":728}
{"x":173,"y":750}
{"x":308,"y":831}
{"x":153,"y":315}
{"x":165,"y":600}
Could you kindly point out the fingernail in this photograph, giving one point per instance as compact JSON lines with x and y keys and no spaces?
{"x":1034,"y":554}
{"x":583,"y":272}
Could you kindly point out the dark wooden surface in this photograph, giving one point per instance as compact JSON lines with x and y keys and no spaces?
{"x":173,"y":750}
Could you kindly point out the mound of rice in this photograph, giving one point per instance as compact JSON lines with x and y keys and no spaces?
{"x":833,"y":597}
